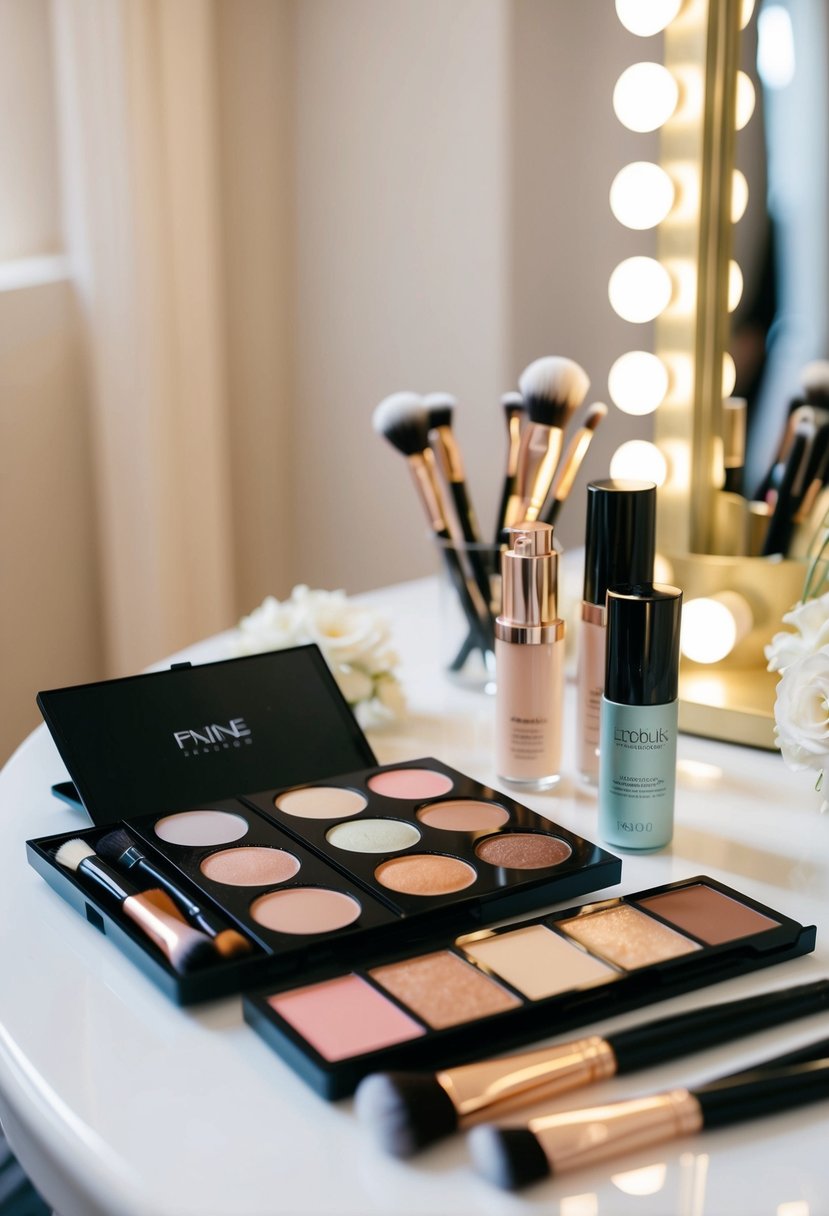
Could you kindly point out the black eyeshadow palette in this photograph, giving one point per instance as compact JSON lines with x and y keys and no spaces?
{"x":303,"y":871}
{"x":462,"y":997}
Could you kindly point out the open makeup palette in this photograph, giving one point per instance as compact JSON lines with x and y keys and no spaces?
{"x":475,"y":994}
{"x":332,"y":856}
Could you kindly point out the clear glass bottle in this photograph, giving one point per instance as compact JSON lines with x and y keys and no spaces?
{"x":529,"y":661}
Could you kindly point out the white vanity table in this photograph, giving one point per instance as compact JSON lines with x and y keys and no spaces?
{"x":118,"y":1102}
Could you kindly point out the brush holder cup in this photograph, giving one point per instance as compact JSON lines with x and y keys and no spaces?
{"x":470,"y":600}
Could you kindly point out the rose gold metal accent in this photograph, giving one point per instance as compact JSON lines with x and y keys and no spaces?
{"x":448,"y":453}
{"x":594,"y":614}
{"x":491,"y":1087}
{"x":160,"y":919}
{"x":576,"y":1138}
{"x":427,"y":491}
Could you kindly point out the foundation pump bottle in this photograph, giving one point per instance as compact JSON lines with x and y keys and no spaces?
{"x":529,"y":660}
{"x":618,"y":548}
{"x":637,"y":763}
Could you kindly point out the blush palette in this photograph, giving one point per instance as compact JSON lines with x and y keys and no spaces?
{"x":447,"y":1004}
{"x":333,"y":869}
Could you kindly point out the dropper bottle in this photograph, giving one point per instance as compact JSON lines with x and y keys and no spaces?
{"x":529,"y":660}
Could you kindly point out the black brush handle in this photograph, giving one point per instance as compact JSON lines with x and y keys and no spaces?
{"x":466,"y":516}
{"x":763,"y":1092}
{"x":800,"y":1055}
{"x":506,"y":494}
{"x":782,"y":519}
{"x":480,"y":627}
{"x":669,"y":1038}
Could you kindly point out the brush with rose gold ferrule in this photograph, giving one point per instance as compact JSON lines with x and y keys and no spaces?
{"x":403,"y":420}
{"x":153,"y":912}
{"x":515,"y":413}
{"x":572,"y":461}
{"x":554,"y":1144}
{"x":407,"y":1111}
{"x":553,"y":388}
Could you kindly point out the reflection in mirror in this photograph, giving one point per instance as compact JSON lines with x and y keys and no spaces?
{"x":780,"y":335}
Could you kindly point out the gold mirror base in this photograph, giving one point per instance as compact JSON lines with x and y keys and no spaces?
{"x":735,"y":706}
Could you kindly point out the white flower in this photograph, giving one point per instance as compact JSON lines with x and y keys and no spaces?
{"x":354,"y":641}
{"x":801,"y":711}
{"x":811,"y":621}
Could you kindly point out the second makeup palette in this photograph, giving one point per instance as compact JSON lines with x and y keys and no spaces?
{"x":321,"y":866}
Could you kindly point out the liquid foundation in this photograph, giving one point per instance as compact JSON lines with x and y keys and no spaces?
{"x":619,"y":548}
{"x":529,"y":661}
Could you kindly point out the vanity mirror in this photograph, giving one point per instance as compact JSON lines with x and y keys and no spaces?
{"x":710,"y":530}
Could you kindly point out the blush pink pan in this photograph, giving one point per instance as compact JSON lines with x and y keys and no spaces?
{"x":345,"y":1017}
{"x":410,"y":783}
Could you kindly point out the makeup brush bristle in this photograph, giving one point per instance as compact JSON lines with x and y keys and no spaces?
{"x":594,"y":415}
{"x":403,"y":419}
{"x":405,"y":1111}
{"x":192,"y":950}
{"x":72,"y":852}
{"x":230,"y":943}
{"x":512,"y":402}
{"x":511,"y":1157}
{"x":553,"y":387}
{"x":439,"y":407}
{"x":114,"y":844}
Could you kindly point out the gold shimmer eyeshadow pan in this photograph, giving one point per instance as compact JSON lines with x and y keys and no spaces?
{"x":495,"y":989}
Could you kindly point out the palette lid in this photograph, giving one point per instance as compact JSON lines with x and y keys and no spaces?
{"x":172,"y":739}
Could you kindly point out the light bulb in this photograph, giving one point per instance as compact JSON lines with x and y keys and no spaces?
{"x":739,"y":196}
{"x":713,"y":625}
{"x":775,"y":47}
{"x":646,"y":17}
{"x":746,"y":10}
{"x":648,"y":1180}
{"x":729,"y":375}
{"x":735,"y":285}
{"x":637,"y":382}
{"x":745,"y":100}
{"x":638,"y":460}
{"x":639,"y":289}
{"x":641,"y":195}
{"x":645,"y":96}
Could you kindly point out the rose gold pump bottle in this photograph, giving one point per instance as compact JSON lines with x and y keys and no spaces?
{"x":529,"y":661}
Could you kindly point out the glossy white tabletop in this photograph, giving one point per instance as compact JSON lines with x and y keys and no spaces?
{"x":119,"y":1102}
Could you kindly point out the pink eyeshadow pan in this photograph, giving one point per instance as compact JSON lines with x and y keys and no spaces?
{"x":345,"y":1017}
{"x":305,"y":910}
{"x":410,"y":783}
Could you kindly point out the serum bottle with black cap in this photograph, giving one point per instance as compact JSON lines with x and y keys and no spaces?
{"x":619,"y":548}
{"x":637,"y":762}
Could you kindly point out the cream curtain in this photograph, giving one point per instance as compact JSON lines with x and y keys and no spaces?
{"x":139,"y":151}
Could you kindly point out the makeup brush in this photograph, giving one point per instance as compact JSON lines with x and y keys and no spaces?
{"x":772,"y":478}
{"x":514,"y":411}
{"x":407,"y":1111}
{"x":572,"y":461}
{"x":553,"y":388}
{"x":403,"y":420}
{"x":152,"y":911}
{"x":792,"y":486}
{"x":815,"y":380}
{"x":513,"y":1157}
{"x":120,"y":850}
{"x":440,"y":407}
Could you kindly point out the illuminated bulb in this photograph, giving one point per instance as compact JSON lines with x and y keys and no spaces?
{"x":639,"y":289}
{"x":663,"y":571}
{"x":646,"y":17}
{"x":745,"y":13}
{"x":729,"y":375}
{"x":745,"y":100}
{"x":739,"y":196}
{"x":638,"y":460}
{"x":637,"y":382}
{"x":713,"y":625}
{"x":775,"y":47}
{"x":735,"y":285}
{"x":645,"y":96}
{"x":642,"y":194}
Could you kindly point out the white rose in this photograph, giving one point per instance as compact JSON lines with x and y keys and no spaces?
{"x":271,"y":626}
{"x":801,"y":712}
{"x":811,"y":621}
{"x":347,"y":633}
{"x":390,"y":694}
{"x":354,"y":684}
